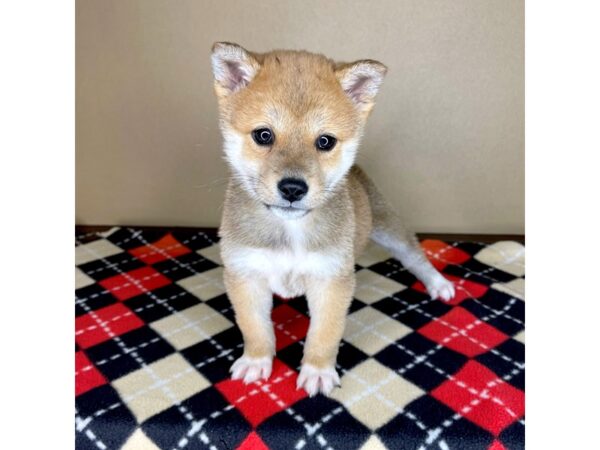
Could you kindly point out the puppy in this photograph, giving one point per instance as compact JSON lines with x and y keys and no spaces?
{"x":297,"y":210}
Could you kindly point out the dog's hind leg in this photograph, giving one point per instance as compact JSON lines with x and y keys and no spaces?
{"x":389,"y":232}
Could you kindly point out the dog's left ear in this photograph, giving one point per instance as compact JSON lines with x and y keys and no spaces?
{"x":233,"y":67}
{"x":361,"y":80}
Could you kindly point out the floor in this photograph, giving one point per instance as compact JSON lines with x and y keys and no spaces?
{"x":155,"y":336}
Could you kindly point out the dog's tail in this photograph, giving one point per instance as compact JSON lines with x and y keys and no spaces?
{"x":390,"y":232}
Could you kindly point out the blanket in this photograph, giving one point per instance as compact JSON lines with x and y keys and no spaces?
{"x":155,"y":336}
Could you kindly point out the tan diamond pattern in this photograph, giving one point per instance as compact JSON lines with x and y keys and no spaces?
{"x":375,"y":394}
{"x":191,"y":326}
{"x":154,"y":388}
{"x":205,"y":285}
{"x":371,"y":330}
{"x":371,"y":287}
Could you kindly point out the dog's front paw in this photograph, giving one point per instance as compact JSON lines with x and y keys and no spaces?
{"x":440,"y":287}
{"x":314,"y":380}
{"x":251,"y":369}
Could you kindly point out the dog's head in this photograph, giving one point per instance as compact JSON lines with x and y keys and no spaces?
{"x":291,"y":122}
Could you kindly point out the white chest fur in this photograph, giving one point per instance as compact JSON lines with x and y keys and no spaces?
{"x":287,"y":270}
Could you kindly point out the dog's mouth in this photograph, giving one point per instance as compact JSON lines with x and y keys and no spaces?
{"x":288,"y":212}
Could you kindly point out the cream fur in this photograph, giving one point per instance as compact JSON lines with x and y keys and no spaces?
{"x":308,"y":247}
{"x":288,"y":270}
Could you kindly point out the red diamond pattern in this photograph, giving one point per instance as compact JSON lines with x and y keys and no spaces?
{"x":479,"y":395}
{"x":461,"y":331}
{"x":86,"y":375}
{"x":257,"y":401}
{"x":253,"y":442}
{"x":136,"y":282}
{"x":441,"y":254}
{"x":165,"y":248}
{"x":464,"y":289}
{"x":497,"y":445}
{"x":104,"y":323}
{"x":290,"y":325}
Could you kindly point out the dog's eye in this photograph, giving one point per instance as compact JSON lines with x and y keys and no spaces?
{"x":263,"y":136}
{"x":325,"y":142}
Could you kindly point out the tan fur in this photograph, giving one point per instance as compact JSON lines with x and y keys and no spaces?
{"x":259,"y":341}
{"x":332,"y":298}
{"x":362,"y":209}
{"x":299,"y":96}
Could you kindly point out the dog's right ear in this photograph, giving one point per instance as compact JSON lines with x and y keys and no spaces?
{"x":233,"y":68}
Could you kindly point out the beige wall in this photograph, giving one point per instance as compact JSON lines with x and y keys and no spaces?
{"x":445,"y":142}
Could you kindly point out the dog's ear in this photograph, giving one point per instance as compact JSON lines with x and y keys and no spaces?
{"x":233,"y":67}
{"x":361,"y":80}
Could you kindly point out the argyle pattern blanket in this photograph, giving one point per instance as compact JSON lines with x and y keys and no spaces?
{"x":155,"y":336}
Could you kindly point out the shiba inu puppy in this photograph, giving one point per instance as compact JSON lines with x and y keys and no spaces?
{"x":297,"y":210}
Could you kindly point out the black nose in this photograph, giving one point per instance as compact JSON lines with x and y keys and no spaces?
{"x":292,"y":189}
